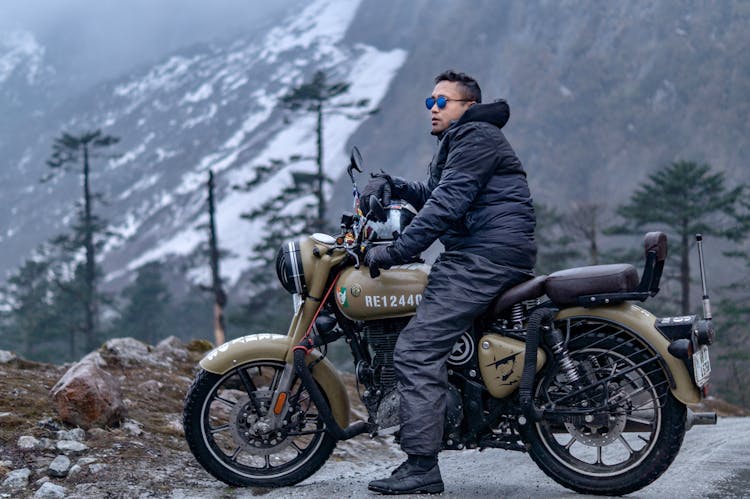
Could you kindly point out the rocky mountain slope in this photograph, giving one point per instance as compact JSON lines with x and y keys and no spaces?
{"x":600,"y":95}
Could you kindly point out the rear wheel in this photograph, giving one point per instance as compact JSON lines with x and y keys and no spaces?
{"x":227,"y":429}
{"x":623,"y":427}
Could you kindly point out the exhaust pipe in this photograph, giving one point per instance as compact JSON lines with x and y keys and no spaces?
{"x":699,"y":418}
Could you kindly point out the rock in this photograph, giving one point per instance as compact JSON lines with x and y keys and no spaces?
{"x":17,"y":479}
{"x":77,"y":434}
{"x":130,"y":352}
{"x":6,"y":356}
{"x":71,"y":447}
{"x":87,"y":396}
{"x":94,"y":358}
{"x":6,"y":464}
{"x":49,"y":424}
{"x":59,"y":466}
{"x":50,"y":490}
{"x":97,"y":467}
{"x":74,"y":470}
{"x":27,"y":442}
{"x":5,"y":414}
{"x":42,"y":481}
{"x":48,"y":444}
{"x":200,"y":346}
{"x":151,"y":386}
{"x":132,"y":427}
{"x":96,"y":433}
{"x":85,"y":461}
{"x":172,"y":348}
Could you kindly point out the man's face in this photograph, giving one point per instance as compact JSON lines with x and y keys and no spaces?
{"x":454,"y":108}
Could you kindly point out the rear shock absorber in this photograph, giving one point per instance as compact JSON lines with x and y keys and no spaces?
{"x":556,"y":342}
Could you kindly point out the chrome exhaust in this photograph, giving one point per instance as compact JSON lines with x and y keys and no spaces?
{"x":699,"y":418}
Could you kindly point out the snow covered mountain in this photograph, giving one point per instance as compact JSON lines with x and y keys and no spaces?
{"x":210,"y":107}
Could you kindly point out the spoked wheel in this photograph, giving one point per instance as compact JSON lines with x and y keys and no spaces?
{"x":620,"y":428}
{"x":228,"y":430}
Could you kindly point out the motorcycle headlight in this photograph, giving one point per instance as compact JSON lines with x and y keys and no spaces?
{"x":289,"y":268}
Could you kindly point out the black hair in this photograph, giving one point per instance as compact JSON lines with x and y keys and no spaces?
{"x":468,"y":85}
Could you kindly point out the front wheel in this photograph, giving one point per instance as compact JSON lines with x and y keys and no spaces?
{"x":228,"y":432}
{"x":620,"y":428}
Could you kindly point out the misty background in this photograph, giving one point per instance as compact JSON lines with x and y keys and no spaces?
{"x":92,"y":41}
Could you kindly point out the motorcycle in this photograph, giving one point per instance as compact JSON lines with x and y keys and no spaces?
{"x":563,"y":366}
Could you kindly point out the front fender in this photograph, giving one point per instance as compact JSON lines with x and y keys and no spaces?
{"x":275,"y":347}
{"x":642,"y":322}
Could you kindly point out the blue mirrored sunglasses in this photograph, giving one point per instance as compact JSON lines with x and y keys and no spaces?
{"x":441,"y":101}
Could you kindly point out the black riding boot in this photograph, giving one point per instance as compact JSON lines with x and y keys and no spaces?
{"x":416,"y":475}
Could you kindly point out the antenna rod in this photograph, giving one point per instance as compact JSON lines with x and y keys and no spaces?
{"x":706,"y":301}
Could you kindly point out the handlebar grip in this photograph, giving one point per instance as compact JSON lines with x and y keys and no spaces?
{"x":374,"y":272}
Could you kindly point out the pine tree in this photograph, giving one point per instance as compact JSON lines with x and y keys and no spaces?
{"x":300,"y":208}
{"x":555,"y":249}
{"x":29,"y":319}
{"x":71,"y":152}
{"x":683,"y":199}
{"x":148,"y":306}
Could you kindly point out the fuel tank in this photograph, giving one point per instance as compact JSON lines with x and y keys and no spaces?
{"x":501,"y":363}
{"x":395,"y":293}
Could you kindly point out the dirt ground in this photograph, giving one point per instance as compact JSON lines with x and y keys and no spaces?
{"x":148,"y":457}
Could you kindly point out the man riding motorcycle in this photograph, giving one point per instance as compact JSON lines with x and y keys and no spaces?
{"x":477,"y":202}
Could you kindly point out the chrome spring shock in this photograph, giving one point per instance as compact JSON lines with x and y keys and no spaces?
{"x":556,"y":343}
{"x":516,"y":316}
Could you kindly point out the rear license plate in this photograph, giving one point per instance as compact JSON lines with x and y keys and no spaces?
{"x":701,"y":366}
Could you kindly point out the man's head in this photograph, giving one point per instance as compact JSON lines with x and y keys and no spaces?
{"x":459,"y":91}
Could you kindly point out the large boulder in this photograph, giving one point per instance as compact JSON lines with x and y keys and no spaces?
{"x":88,"y":396}
{"x":129,"y":352}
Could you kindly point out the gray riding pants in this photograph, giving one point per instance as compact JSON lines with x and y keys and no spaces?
{"x":461,"y":287}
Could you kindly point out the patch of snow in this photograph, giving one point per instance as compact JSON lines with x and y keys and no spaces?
{"x":132,"y":154}
{"x":190,"y":123}
{"x":202,"y":93}
{"x":162,"y":77}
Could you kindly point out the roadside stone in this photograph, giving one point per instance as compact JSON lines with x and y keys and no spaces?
{"x":94,"y":358}
{"x":42,"y":481}
{"x":5,"y":414}
{"x":7,"y":356}
{"x":59,"y":466}
{"x":96,"y":433}
{"x":172,"y":348}
{"x":85,"y":461}
{"x":130,"y":352}
{"x":71,"y":447}
{"x":6,"y":463}
{"x":77,"y":434}
{"x":74,"y":470}
{"x":87,"y":396}
{"x":151,"y":386}
{"x":50,"y":490}
{"x":48,"y":443}
{"x":27,"y":442}
{"x":17,"y":479}
{"x":132,"y":427}
{"x":49,"y":424}
{"x":97,"y":468}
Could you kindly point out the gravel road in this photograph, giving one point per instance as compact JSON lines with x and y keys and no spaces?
{"x":714,"y":462}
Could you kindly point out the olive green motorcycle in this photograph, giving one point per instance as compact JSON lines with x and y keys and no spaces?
{"x":563,"y":366}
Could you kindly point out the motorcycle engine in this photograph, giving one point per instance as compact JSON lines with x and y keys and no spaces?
{"x":381,"y":336}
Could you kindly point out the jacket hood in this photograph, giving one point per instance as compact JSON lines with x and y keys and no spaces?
{"x":496,"y":113}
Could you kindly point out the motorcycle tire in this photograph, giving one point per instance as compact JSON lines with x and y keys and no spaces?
{"x":229,"y":438}
{"x":629,"y":445}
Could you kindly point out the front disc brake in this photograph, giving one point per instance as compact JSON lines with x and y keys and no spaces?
{"x":252,"y":431}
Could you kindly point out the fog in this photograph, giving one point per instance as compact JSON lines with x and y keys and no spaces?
{"x":88,"y":40}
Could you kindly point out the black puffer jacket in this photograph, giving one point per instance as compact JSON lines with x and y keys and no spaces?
{"x":476,"y":199}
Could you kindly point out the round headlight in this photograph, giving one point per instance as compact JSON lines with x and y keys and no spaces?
{"x":289,"y":268}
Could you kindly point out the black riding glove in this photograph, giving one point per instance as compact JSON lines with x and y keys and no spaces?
{"x":382,"y":257}
{"x":381,"y":186}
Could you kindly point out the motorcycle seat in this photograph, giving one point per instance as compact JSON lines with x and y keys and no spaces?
{"x":565,"y":287}
{"x":527,"y":290}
